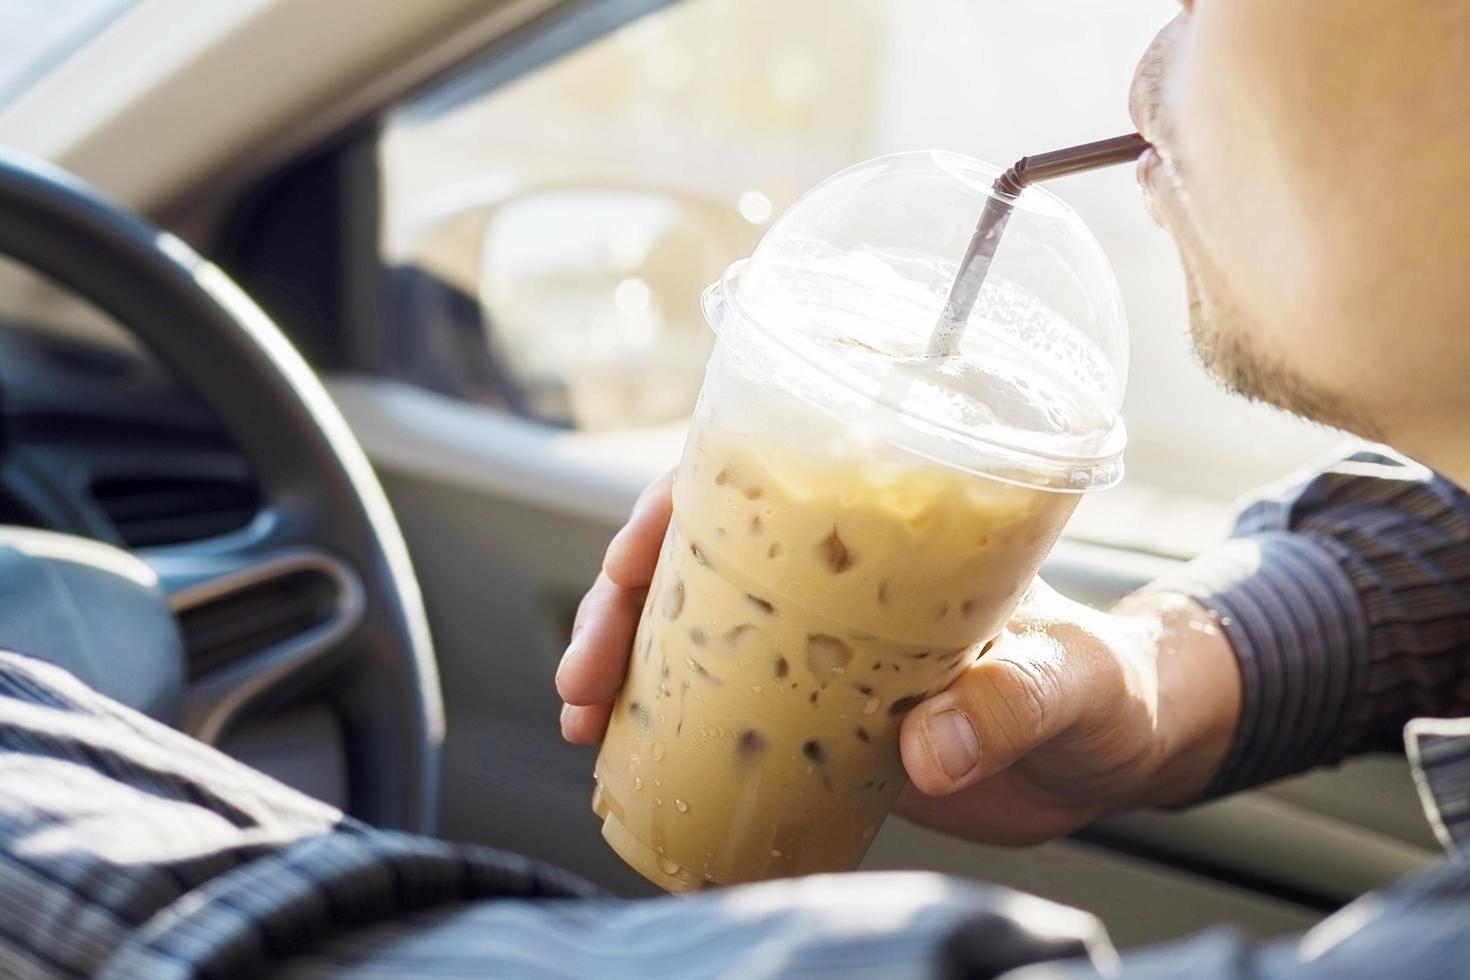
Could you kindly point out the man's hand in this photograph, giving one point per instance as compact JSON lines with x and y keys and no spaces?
{"x":1074,"y":714}
{"x":1071,"y":714}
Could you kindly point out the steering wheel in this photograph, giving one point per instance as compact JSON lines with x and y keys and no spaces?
{"x":113,"y":617}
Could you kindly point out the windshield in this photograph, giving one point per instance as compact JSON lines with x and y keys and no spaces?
{"x":37,"y":35}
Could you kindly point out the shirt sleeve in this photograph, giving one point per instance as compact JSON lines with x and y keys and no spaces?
{"x":1347,"y":601}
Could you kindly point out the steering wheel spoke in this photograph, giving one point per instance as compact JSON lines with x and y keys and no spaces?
{"x":252,"y":618}
{"x":318,"y":597}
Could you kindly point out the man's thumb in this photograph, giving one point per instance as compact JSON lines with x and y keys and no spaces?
{"x":1021,"y":694}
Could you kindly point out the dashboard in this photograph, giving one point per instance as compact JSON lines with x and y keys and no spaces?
{"x":101,"y":442}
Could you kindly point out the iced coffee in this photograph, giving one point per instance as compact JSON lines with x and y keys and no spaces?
{"x":853,"y":519}
{"x":801,"y":607}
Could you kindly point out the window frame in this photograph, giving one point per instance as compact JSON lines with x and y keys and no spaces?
{"x":323,"y":203}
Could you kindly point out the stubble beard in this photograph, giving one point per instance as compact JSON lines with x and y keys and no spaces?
{"x":1225,"y":342}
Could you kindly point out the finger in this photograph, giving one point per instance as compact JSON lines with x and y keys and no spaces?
{"x":584,"y":725}
{"x":1005,"y":810}
{"x":591,"y":670}
{"x":1021,"y":694}
{"x":633,"y":551}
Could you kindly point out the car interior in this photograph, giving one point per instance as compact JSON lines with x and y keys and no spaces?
{"x":359,"y":325}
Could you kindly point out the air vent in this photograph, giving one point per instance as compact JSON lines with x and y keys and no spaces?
{"x":256,"y":617}
{"x":163,"y":510}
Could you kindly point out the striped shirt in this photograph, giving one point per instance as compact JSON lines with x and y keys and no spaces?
{"x":130,"y":851}
{"x":1347,"y":601}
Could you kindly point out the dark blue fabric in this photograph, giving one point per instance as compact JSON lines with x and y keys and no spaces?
{"x":130,"y":852}
{"x":1417,"y":930}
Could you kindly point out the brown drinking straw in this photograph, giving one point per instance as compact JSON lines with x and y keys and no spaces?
{"x":975,"y":266}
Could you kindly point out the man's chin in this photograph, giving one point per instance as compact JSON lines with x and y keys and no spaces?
{"x":1226,"y":343}
{"x":1233,"y":346}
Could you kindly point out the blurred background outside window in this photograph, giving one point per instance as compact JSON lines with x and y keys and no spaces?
{"x":585,"y":206}
{"x":565,"y":224}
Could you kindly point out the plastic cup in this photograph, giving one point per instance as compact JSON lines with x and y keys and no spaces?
{"x":852,"y":521}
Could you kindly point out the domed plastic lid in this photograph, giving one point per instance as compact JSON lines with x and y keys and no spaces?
{"x":839,"y":298}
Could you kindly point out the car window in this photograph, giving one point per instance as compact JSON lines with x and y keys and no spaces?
{"x":36,"y":35}
{"x":574,"y":215}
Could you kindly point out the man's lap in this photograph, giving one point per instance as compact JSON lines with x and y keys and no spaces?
{"x":129,"y":850}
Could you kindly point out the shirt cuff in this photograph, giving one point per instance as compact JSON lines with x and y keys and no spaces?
{"x":1300,"y":638}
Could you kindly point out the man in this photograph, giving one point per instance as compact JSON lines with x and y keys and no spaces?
{"x":1312,"y":165}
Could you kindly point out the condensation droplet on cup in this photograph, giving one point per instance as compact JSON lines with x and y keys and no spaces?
{"x":667,"y":866}
{"x":658,"y":752}
{"x":658,"y":782}
{"x":775,"y":853}
{"x":637,"y":782}
{"x":681,"y":806}
{"x":870,"y":706}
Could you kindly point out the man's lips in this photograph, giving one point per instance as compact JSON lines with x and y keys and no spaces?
{"x":1155,"y":185}
{"x":1152,"y":178}
{"x":1146,"y":95}
{"x":1158,"y":167}
{"x":1148,"y":165}
{"x":1146,"y":115}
